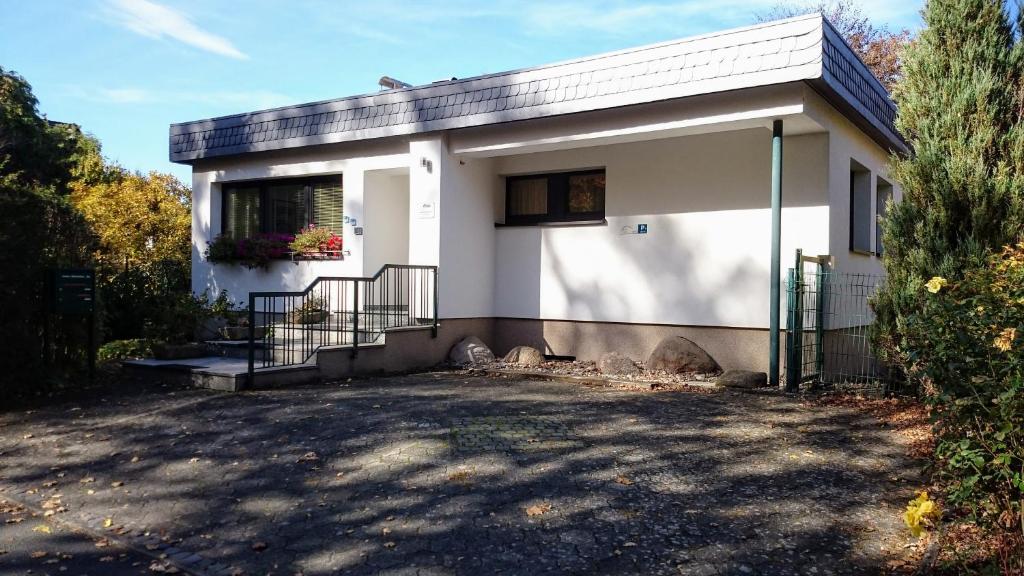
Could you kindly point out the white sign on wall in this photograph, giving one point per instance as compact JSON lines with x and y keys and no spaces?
{"x":425,"y":210}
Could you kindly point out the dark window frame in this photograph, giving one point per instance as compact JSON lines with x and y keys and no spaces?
{"x":558,"y":199}
{"x":266,"y":211}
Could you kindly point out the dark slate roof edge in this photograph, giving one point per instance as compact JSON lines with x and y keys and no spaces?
{"x":495,"y":118}
{"x":441,"y":88}
{"x":850,"y":91}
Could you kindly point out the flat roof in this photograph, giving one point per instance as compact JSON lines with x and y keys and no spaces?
{"x":805,"y":48}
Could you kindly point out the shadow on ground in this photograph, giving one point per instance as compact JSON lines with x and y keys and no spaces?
{"x":452,"y":474}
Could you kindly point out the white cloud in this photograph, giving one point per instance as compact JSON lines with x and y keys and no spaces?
{"x":218,"y":99}
{"x":158,"y":21}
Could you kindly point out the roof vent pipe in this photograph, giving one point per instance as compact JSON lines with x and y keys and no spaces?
{"x":389,"y":83}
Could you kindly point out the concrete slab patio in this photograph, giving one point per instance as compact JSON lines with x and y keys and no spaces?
{"x":453,"y":474}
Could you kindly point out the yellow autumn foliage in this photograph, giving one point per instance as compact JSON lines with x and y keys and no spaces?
{"x":137,"y":218}
{"x":922,"y":512}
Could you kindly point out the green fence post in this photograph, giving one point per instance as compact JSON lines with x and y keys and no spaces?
{"x":821,"y":289}
{"x":776,"y":243}
{"x":798,"y":329}
{"x":792,"y":375}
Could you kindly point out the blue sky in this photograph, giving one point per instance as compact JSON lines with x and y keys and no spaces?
{"x":125,"y":69}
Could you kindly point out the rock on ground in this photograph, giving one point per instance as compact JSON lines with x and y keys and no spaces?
{"x":470,"y":350}
{"x":676,"y":355}
{"x":742,"y":379}
{"x":615,"y":363}
{"x":524,"y":356}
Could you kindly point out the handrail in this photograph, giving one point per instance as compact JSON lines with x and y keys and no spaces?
{"x":313,"y":284}
{"x":294,"y":330}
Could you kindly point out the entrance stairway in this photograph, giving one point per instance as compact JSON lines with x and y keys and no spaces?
{"x":288,"y":330}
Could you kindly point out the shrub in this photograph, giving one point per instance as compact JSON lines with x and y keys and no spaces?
{"x":966,"y":342}
{"x":122,"y":349}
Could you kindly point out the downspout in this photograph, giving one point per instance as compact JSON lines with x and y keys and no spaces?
{"x":776,"y":269}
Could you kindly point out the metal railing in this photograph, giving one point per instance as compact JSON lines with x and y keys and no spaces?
{"x":828,"y":323}
{"x":288,"y":328}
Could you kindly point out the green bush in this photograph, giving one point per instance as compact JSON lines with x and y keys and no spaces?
{"x":966,"y":342}
{"x":122,"y":349}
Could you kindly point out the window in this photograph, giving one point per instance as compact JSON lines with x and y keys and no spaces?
{"x":282,"y":206}
{"x":860,"y":208}
{"x":561,"y":197}
{"x":883,"y":192}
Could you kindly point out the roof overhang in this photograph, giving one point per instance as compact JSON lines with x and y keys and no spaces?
{"x":805,"y":49}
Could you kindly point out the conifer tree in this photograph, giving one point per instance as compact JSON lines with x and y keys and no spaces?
{"x":960,"y":106}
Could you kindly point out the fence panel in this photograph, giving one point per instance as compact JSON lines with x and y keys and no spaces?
{"x":828,"y":331}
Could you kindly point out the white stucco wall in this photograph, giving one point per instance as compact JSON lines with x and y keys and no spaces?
{"x":705,"y":259}
{"x":386,"y":219}
{"x":846,"y":143}
{"x":467,"y":235}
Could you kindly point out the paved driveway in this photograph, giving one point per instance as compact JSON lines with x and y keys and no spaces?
{"x":452,"y":474}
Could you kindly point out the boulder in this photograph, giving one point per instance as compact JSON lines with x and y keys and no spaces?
{"x":524,"y":356}
{"x":615,"y":363}
{"x":470,"y":350}
{"x":677,"y":355}
{"x":742,"y":379}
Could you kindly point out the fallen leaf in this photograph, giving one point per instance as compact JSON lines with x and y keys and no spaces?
{"x":308,"y":457}
{"x":87,"y":480}
{"x":38,"y":554}
{"x":389,"y":544}
{"x":538,"y":509}
{"x":259,"y":546}
{"x":42,"y":528}
{"x":116,"y":484}
{"x":108,"y":522}
{"x":624,"y":481}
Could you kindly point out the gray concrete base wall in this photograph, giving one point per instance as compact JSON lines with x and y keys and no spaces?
{"x":740,"y":348}
{"x":410,"y":350}
{"x":404,"y":350}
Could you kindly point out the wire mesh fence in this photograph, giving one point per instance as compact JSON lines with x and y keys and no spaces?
{"x":828,"y":336}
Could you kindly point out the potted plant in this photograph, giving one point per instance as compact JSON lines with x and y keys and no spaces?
{"x":316,"y":243}
{"x":237,"y":328}
{"x":254,"y":252}
{"x":313,"y":310}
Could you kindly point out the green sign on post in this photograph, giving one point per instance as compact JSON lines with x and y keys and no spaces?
{"x":73,"y":291}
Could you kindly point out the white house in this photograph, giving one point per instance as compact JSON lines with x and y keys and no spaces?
{"x":585,"y":206}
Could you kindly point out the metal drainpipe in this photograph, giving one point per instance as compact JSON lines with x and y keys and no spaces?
{"x":776,"y":270}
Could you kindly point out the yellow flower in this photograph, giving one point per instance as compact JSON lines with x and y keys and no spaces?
{"x":1004,"y":341}
{"x":936,"y":284}
{"x":921,"y":512}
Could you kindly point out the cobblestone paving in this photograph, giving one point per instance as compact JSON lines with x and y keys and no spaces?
{"x":452,"y":474}
{"x":504,"y":433}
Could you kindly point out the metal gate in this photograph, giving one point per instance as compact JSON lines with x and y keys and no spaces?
{"x":828,"y":324}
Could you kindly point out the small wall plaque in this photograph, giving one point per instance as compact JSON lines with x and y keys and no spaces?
{"x":425,"y":210}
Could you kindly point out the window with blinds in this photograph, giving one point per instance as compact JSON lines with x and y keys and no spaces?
{"x":241,"y":212}
{"x":282,"y":206}
{"x":328,"y":201}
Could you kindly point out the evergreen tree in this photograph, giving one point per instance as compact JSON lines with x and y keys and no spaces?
{"x":960,"y":107}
